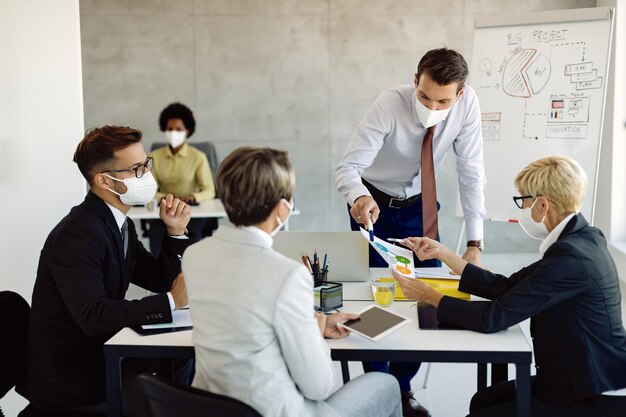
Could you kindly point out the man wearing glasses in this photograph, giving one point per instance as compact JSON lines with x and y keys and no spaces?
{"x":85,"y":268}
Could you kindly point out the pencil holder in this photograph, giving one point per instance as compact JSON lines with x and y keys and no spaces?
{"x":329,"y":296}
{"x":319,"y":278}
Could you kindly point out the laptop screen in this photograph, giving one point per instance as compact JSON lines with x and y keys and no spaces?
{"x":348,"y":253}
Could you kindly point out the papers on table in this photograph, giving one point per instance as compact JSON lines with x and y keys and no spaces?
{"x":401,"y":260}
{"x":398,"y":258}
{"x":180,"y":318}
{"x":442,"y":272}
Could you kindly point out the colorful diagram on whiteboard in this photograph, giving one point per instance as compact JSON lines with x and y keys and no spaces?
{"x":398,"y":258}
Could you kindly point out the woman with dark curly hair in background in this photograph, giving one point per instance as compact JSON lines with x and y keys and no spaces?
{"x":180,"y":169}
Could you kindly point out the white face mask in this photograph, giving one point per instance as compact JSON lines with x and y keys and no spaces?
{"x":280,"y":222}
{"x":536,"y":230}
{"x":430,"y":117}
{"x":138,"y":190}
{"x":175,"y":137}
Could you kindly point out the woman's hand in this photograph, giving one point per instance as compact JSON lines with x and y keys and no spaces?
{"x":321,"y":322}
{"x":417,"y":290}
{"x":330,"y":325}
{"x":333,"y":329}
{"x":425,"y":248}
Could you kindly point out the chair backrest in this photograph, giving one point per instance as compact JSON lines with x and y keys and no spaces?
{"x":14,"y":319}
{"x":207,"y":147}
{"x":154,"y":396}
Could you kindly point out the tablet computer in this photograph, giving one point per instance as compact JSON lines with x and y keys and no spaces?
{"x":375,"y":323}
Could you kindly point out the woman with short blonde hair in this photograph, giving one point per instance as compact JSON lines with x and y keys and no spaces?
{"x":571,"y":296}
{"x":558,"y":178}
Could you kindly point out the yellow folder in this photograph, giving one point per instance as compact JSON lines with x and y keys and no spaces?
{"x":448,"y":287}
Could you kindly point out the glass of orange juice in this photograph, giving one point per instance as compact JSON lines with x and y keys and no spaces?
{"x":384,"y":291}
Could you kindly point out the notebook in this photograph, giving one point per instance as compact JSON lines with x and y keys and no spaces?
{"x":446,"y":286}
{"x":348,"y":253}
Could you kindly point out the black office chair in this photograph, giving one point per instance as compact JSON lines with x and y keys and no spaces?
{"x":14,"y":319}
{"x":154,"y":396}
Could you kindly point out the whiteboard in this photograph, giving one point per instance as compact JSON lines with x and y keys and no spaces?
{"x":541,"y":83}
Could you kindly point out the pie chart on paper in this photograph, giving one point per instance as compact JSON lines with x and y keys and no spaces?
{"x":526,"y":73}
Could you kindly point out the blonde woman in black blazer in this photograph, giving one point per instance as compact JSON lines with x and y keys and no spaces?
{"x":571,"y":295}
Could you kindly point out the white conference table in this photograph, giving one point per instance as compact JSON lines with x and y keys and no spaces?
{"x":412,"y":344}
{"x":206,"y":209}
{"x":409,"y":343}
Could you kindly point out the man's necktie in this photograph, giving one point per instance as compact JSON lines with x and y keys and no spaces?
{"x":125,"y":236}
{"x":429,"y":188}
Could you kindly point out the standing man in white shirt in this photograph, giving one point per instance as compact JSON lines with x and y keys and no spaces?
{"x":395,"y":154}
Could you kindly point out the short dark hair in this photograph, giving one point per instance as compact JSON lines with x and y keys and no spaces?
{"x":445,"y":66}
{"x":178,"y":111}
{"x":96,"y":150}
{"x":251,"y":181}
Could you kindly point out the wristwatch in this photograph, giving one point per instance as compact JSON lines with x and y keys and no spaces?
{"x":476,"y":243}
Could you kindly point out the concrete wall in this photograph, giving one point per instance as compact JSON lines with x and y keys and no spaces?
{"x":297,"y":75}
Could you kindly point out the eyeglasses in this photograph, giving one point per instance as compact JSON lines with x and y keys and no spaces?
{"x":519,"y":200}
{"x":139,"y":170}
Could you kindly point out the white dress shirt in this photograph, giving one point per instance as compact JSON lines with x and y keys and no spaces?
{"x":120,"y":218}
{"x":255,"y":335}
{"x":386,"y":151}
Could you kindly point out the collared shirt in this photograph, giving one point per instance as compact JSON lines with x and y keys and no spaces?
{"x":185,"y":173}
{"x":120,"y":218}
{"x":261,"y":233}
{"x":386,"y":151}
{"x":553,"y":236}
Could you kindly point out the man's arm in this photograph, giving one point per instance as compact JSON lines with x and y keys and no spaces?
{"x":84,"y":264}
{"x":468,"y":148}
{"x":361,"y":151}
{"x":158,"y":274}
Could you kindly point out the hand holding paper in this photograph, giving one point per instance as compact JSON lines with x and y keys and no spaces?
{"x":417,"y":290}
{"x":398,"y":259}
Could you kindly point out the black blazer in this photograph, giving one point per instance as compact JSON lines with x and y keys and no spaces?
{"x":572,"y":296}
{"x":78,"y":303}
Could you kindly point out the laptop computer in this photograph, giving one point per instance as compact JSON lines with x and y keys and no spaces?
{"x":348,"y":253}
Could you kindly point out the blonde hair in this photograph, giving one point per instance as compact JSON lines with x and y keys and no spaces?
{"x":558,"y":178}
{"x":251,"y":181}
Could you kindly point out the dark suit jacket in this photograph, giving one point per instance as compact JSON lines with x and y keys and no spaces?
{"x":573,"y":298}
{"x":78,"y":303}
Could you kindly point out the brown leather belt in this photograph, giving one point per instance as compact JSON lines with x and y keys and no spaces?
{"x":387,"y":200}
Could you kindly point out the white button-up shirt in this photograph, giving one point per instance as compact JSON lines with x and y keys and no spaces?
{"x":386,"y":147}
